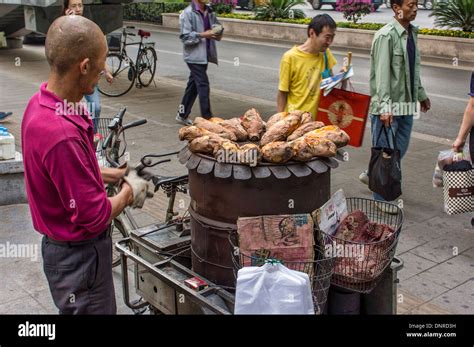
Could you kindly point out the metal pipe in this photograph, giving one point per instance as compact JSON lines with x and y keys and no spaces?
{"x":125,"y":289}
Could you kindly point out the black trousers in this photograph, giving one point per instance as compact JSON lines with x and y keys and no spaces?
{"x":198,"y":84}
{"x":80,"y":275}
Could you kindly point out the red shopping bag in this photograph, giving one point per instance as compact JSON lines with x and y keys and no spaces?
{"x":346,"y":109}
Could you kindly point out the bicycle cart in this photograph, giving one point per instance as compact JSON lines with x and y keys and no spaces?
{"x":164,"y":254}
{"x":187,"y":264}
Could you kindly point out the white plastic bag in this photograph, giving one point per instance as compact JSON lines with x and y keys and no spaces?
{"x":273,"y":289}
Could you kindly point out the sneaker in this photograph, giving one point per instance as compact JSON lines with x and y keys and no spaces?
{"x":4,"y":115}
{"x":386,"y":208}
{"x":184,"y":121}
{"x":364,"y":178}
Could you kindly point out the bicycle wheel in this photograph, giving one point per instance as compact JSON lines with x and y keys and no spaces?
{"x":124,"y":75}
{"x":146,"y":66}
{"x":118,"y":233}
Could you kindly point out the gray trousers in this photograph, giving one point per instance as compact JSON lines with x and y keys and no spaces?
{"x":80,"y":275}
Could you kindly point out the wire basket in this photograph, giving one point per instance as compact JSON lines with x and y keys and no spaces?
{"x":358,"y":265}
{"x":319,"y":270}
{"x":101,"y":130}
{"x":114,"y":42}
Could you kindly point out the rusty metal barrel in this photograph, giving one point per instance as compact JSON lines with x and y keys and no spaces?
{"x":223,"y":192}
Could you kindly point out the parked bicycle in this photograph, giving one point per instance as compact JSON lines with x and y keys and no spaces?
{"x":113,"y":148}
{"x":124,"y":70}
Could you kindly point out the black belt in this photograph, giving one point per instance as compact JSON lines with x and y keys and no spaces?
{"x":102,"y":236}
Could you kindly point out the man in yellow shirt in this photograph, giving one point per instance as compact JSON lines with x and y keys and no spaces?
{"x":303,"y":67}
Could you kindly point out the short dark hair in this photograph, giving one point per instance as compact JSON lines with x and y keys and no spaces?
{"x":319,"y":22}
{"x":396,"y":2}
{"x":65,"y":6}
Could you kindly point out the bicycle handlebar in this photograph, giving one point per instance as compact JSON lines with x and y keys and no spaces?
{"x":113,"y":125}
{"x":134,"y":124}
{"x":107,"y":140}
{"x":121,"y":114}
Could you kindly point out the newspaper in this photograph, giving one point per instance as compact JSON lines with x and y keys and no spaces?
{"x":330,"y":215}
{"x":329,"y":83}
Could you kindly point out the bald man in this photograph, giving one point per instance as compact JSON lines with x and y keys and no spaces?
{"x":64,"y":183}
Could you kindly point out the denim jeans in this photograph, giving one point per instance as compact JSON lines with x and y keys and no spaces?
{"x":401,"y":127}
{"x":93,"y":105}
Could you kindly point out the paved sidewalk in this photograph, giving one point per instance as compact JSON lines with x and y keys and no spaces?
{"x":438,"y":250}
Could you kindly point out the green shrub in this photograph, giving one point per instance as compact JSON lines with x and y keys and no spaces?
{"x":222,"y":8}
{"x":151,"y":12}
{"x":279,"y":9}
{"x":455,"y":14}
{"x":361,"y":26}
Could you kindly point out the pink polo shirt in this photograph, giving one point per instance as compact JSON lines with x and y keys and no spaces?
{"x":66,"y":193}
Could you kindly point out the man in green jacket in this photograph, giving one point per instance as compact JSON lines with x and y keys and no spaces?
{"x":395,"y":84}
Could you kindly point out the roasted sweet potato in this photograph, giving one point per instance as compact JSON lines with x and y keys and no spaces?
{"x":278,"y":152}
{"x":206,"y":144}
{"x":214,"y":128}
{"x":191,"y":132}
{"x":305,"y":128}
{"x":331,"y":132}
{"x":281,"y":129}
{"x":235,"y":126}
{"x":253,"y":124}
{"x":306,"y":118}
{"x":230,"y":152}
{"x":275,"y":118}
{"x":216,"y":120}
{"x":307,"y":148}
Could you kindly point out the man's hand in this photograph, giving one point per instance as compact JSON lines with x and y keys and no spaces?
{"x":209,"y":34}
{"x":386,"y":118}
{"x":139,"y":187}
{"x":458,"y":145}
{"x":129,"y":191}
{"x":109,"y":77}
{"x":425,"y":105}
{"x":112,"y":175}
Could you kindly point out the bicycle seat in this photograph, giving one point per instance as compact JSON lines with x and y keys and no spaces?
{"x":143,"y":33}
{"x":159,"y":180}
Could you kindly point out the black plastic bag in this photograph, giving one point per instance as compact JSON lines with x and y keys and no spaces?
{"x":385,"y":174}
